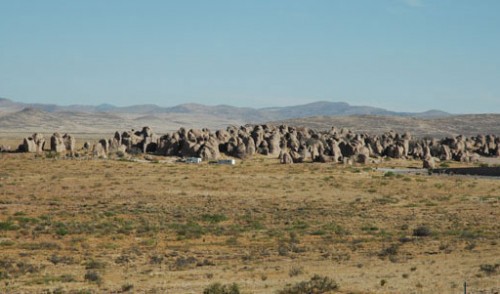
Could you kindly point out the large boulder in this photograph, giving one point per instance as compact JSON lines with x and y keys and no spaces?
{"x":69,"y":143}
{"x":57,"y":143}
{"x":210,"y":150}
{"x":4,"y":148}
{"x":274,"y":144}
{"x":99,"y":150}
{"x":285,"y":158}
{"x":429,"y":162}
{"x":66,"y":143}
{"x":34,"y":143}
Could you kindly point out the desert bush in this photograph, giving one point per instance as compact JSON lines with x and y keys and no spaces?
{"x":213,"y":218}
{"x":316,"y":285}
{"x":389,"y":251}
{"x":52,"y":154}
{"x":93,"y":276}
{"x":40,"y":246}
{"x":232,"y":241}
{"x":127,"y":287}
{"x":94,"y":264}
{"x":335,"y":228}
{"x":218,"y":288}
{"x":283,"y":249}
{"x":182,"y":263}
{"x":422,"y":231}
{"x":8,"y":226}
{"x":489,"y":269}
{"x":156,"y":259}
{"x":389,"y":174}
{"x":55,"y":259}
{"x":9,"y":268}
{"x":385,"y":200}
{"x":190,"y":230}
{"x":67,"y":278}
{"x":123,"y":259}
{"x":295,"y":271}
{"x":369,"y":228}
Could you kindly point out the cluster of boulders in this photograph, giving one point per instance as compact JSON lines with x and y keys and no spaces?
{"x":34,"y":143}
{"x":62,"y":143}
{"x":289,"y":144}
{"x":134,"y":142}
{"x":293,"y":145}
{"x":58,"y":143}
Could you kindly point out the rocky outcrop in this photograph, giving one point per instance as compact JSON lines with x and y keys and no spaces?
{"x":289,"y":144}
{"x":34,"y":143}
{"x":99,"y":151}
{"x":65,"y":143}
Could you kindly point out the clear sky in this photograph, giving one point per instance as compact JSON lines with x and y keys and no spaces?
{"x":406,"y":55}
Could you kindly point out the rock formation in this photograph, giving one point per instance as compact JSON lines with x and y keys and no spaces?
{"x":289,"y":144}
{"x":34,"y":143}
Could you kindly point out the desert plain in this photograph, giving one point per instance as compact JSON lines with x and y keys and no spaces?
{"x":79,"y":225}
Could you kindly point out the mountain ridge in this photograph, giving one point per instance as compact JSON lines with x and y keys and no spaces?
{"x":248,"y":113}
{"x":18,"y":117}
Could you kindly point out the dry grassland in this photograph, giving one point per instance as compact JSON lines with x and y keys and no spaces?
{"x":110,"y":226}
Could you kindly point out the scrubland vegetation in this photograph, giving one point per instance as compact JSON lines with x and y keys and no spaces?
{"x":102,"y":226}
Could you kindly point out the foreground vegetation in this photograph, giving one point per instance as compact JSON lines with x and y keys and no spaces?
{"x":80,"y":226}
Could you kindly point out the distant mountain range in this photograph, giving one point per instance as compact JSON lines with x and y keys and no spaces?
{"x":245,"y":114}
{"x":17,"y":117}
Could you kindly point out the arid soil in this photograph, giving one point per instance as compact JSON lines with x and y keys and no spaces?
{"x":103,"y":226}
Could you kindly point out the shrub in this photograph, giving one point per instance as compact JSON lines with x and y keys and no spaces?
{"x":295,"y":271}
{"x":389,"y":251}
{"x":182,"y":263}
{"x":95,"y":264}
{"x":127,"y":287}
{"x":40,"y":246}
{"x":389,"y":174}
{"x":218,"y":288}
{"x":67,"y":278}
{"x":8,"y":226}
{"x":316,"y":285}
{"x":489,"y":269}
{"x":421,"y":231}
{"x":213,"y":218}
{"x":55,"y":259}
{"x":283,"y":249}
{"x":93,"y":276}
{"x":190,"y":230}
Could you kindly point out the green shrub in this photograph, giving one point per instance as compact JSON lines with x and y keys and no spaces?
{"x":95,"y":264}
{"x":93,"y":276}
{"x":8,"y":226}
{"x":389,"y":174}
{"x":190,"y":230}
{"x":218,"y":288}
{"x":40,"y":246}
{"x":213,"y":218}
{"x":421,"y":231}
{"x":316,"y":285}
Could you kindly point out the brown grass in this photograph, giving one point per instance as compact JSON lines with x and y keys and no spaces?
{"x":178,"y":228}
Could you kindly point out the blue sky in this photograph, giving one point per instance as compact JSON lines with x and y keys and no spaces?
{"x":407,"y":55}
